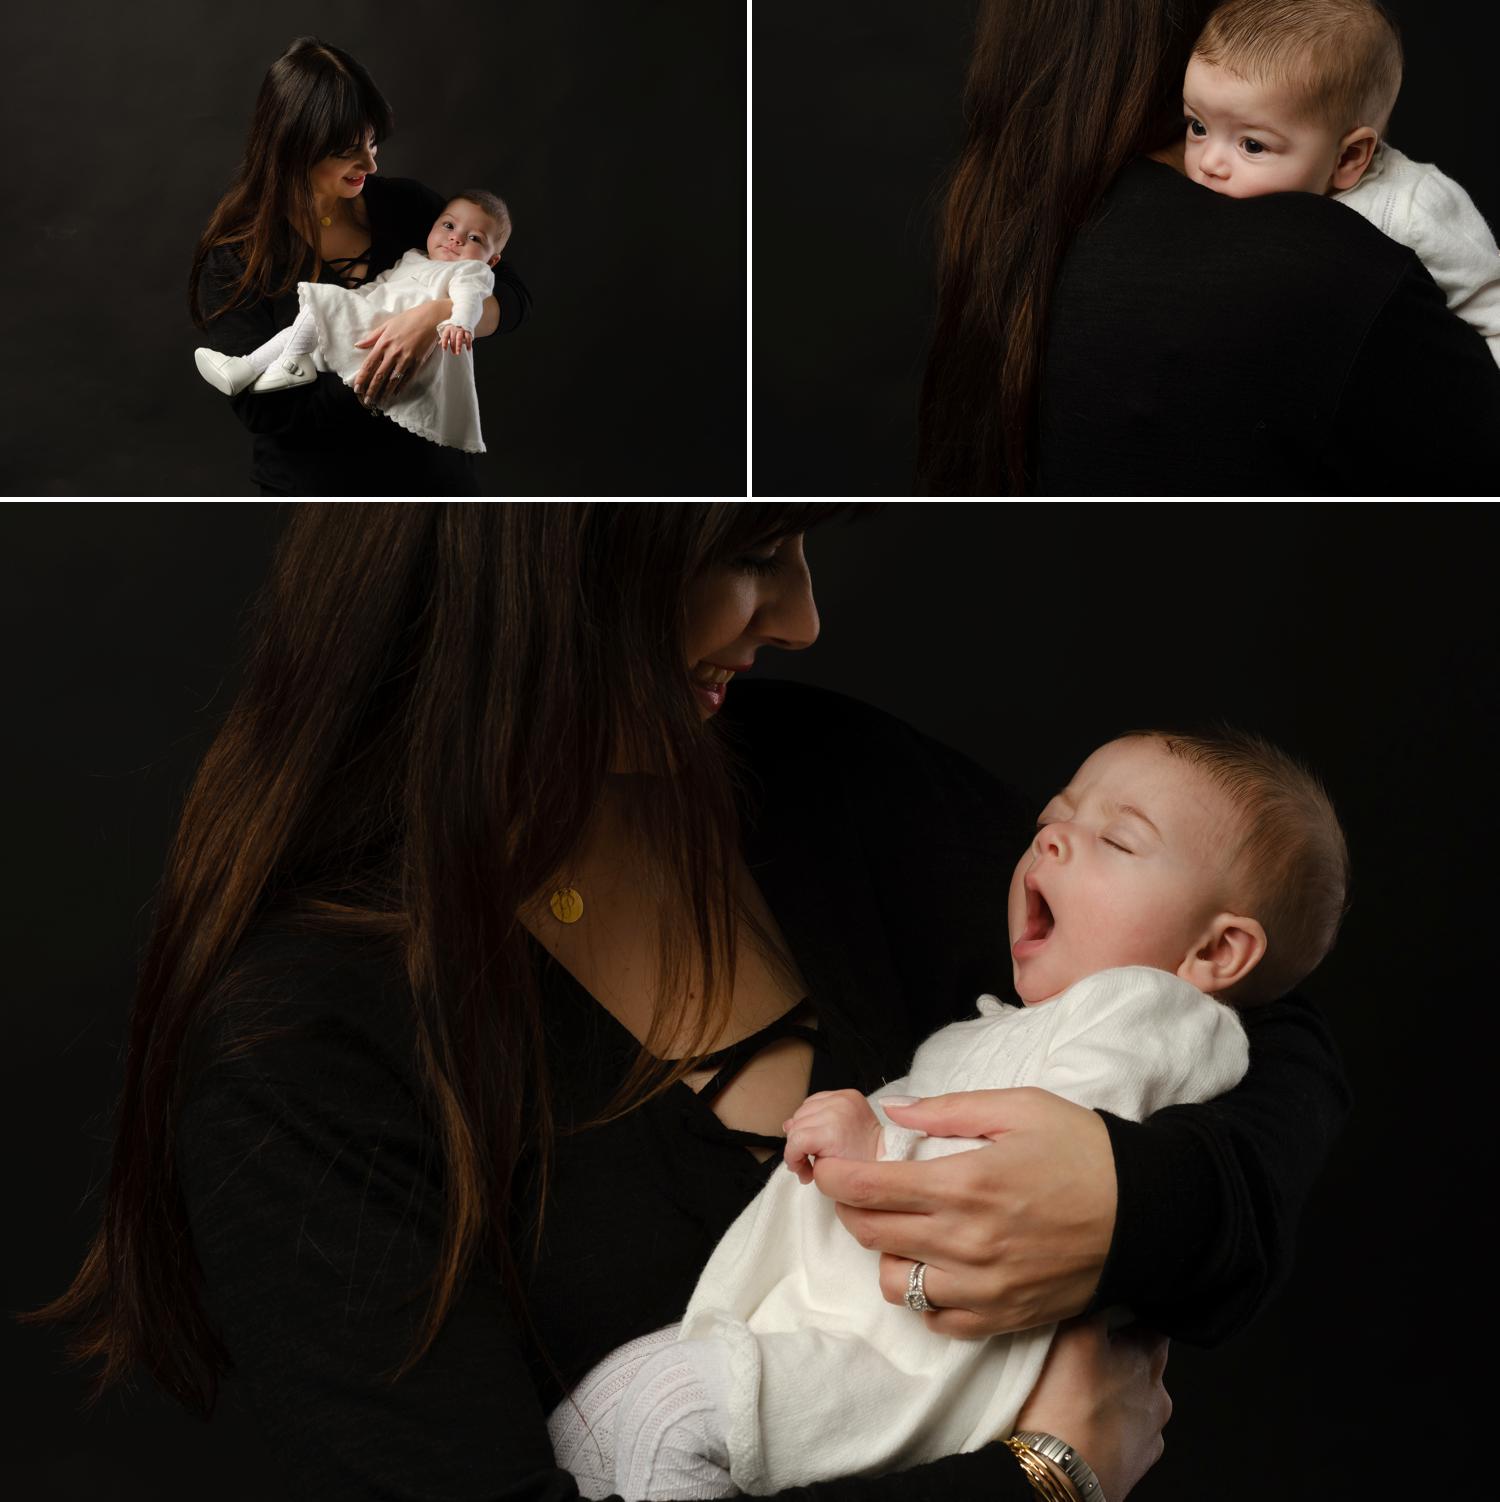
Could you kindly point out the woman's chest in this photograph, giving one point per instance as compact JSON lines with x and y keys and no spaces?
{"x":348,"y":246}
{"x":617,"y":967}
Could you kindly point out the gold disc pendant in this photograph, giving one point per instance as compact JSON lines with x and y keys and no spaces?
{"x":567,"y":905}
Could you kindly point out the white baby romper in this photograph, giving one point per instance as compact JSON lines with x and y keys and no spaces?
{"x":439,"y":401}
{"x":825,"y":1378}
{"x":1426,"y":211}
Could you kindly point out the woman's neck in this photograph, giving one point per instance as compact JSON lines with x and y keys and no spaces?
{"x":1173,"y":156}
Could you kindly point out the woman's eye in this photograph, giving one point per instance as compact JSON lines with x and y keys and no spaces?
{"x":764,"y":563}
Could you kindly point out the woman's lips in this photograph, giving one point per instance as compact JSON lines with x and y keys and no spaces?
{"x":355,"y":181}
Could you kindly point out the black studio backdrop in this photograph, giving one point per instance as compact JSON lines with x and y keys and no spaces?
{"x":615,"y":129}
{"x":1360,"y":638}
{"x":857,"y":119}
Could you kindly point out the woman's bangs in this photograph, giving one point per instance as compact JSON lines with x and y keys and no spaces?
{"x":755,"y":524}
{"x":353,"y":117}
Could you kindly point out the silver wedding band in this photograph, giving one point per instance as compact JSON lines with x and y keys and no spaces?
{"x":916,"y":1295}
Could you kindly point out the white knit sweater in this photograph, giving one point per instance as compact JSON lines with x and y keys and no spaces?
{"x":1426,"y":211}
{"x":826,"y":1378}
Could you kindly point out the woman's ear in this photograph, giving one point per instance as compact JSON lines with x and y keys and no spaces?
{"x":1356,"y":151}
{"x":1229,"y":949}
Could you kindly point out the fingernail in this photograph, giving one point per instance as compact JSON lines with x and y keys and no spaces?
{"x":898,"y":1100}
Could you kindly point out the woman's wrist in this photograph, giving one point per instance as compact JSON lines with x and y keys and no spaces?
{"x":1048,"y":1480}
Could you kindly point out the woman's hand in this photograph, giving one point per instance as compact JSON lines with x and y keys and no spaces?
{"x":455,"y":339}
{"x":402,"y":345}
{"x":1102,"y":1393}
{"x":1013,"y":1234}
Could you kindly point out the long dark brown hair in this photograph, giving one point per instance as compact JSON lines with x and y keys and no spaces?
{"x":1060,"y":95}
{"x":315,"y":101}
{"x":432,"y":697}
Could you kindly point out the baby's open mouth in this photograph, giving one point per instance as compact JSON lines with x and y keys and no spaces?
{"x":1039,"y":920}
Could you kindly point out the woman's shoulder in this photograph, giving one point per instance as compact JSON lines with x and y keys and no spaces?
{"x":832,"y":745}
{"x":404,"y":194}
{"x":1295,"y":237}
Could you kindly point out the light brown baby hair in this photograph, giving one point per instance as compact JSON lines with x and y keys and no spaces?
{"x":490,"y":204}
{"x":1340,"y":59}
{"x":1288,"y":856}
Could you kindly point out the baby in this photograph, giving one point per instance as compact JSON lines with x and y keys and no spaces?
{"x":1172,"y":875}
{"x":1295,"y":98}
{"x":439,"y":401}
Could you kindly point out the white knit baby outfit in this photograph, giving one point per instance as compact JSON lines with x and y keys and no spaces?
{"x":439,"y":401}
{"x":1426,"y":211}
{"x":790,"y":1368}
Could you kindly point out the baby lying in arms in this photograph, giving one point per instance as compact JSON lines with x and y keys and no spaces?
{"x":440,"y":400}
{"x":1174,"y":874}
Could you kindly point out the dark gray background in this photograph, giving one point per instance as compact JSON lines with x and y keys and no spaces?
{"x":857,"y":118}
{"x":1359,"y":637}
{"x":614,"y":128}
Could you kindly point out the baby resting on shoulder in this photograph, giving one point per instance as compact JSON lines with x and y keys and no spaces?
{"x":1285,"y":98}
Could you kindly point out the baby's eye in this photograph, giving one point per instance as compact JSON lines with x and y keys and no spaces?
{"x":1253,"y":147}
{"x":1117,"y":847}
{"x":1194,"y":126}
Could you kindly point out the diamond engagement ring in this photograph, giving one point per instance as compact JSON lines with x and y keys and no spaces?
{"x":916,"y":1295}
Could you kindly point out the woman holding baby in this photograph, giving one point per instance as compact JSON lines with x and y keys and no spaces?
{"x":1134,"y":299}
{"x":503,"y":929}
{"x":308,"y":203}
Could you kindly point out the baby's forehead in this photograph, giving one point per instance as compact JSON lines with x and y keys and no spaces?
{"x":1252,"y":101}
{"x":1139,"y":773}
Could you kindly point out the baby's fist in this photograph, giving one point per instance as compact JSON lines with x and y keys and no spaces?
{"x":835,"y":1123}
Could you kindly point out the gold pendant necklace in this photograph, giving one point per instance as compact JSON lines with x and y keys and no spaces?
{"x":566,"y":904}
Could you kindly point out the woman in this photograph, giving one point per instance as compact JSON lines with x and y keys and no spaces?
{"x":500,"y":934}
{"x":1108,"y":327}
{"x":306,"y":203}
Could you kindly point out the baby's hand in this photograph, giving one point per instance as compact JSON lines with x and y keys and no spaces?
{"x":838,"y":1123}
{"x":455,"y":339}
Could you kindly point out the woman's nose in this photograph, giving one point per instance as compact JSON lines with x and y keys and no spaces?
{"x":789,"y":619}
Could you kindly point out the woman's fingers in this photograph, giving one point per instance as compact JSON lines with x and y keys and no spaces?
{"x":863,"y":1185}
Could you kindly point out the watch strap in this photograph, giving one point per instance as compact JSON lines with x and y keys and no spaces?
{"x":1067,"y":1459}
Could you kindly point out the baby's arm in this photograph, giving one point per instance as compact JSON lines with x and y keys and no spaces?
{"x":830,"y":1123}
{"x":470,"y":285}
{"x":1456,"y":245}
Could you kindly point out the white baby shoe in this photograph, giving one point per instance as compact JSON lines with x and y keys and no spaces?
{"x":283,"y":374}
{"x":227,"y":373}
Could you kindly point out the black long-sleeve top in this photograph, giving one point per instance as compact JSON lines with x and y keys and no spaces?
{"x":314,"y":1196}
{"x":1205,"y":345}
{"x":319,"y":439}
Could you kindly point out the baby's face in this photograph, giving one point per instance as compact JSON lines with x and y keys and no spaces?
{"x":464,"y":232}
{"x":1245,"y":139}
{"x":1126,"y":869}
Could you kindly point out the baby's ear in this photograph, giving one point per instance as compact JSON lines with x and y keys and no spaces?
{"x":1356,"y":152}
{"x":1225,"y":953}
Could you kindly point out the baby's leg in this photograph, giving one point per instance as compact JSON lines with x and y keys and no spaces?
{"x":300,"y":339}
{"x":582,"y":1426}
{"x":672,"y":1425}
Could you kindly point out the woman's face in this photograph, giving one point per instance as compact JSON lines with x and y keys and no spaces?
{"x":331,"y":176}
{"x":735,"y":608}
